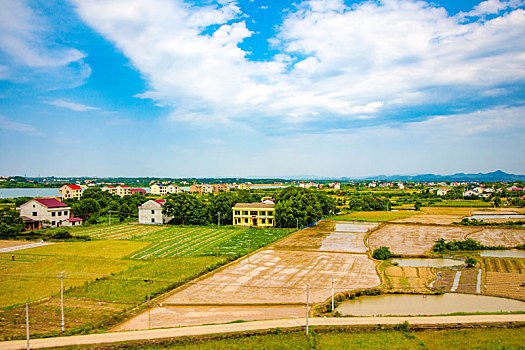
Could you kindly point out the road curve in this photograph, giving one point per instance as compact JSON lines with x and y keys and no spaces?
{"x":252,"y":326}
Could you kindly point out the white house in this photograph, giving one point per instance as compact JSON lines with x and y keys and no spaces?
{"x":44,"y":212}
{"x":441,"y":192}
{"x":72,"y":222}
{"x":151,"y":212}
{"x":173,"y":189}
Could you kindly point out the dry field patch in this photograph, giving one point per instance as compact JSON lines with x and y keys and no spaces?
{"x":332,"y":236}
{"x":499,"y":236}
{"x":279,"y":276}
{"x":413,"y":279}
{"x":180,"y":316}
{"x":415,"y":239}
{"x":505,"y":285}
{"x":431,"y":219}
{"x":9,"y":244}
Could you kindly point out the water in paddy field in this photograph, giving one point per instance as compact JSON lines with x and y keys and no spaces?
{"x":495,"y":216}
{"x":507,"y":253}
{"x":427,"y":262}
{"x":396,"y":304}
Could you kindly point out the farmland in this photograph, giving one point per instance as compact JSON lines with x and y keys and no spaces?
{"x":409,"y":279}
{"x":375,"y":216}
{"x":503,"y":276}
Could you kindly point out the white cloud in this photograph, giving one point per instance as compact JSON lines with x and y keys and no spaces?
{"x":9,"y":125}
{"x":494,"y":6}
{"x":26,"y":40}
{"x":78,"y":107}
{"x":354,"y":61}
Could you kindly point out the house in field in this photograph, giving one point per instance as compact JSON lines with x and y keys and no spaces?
{"x":441,"y":192}
{"x":70,"y":191}
{"x":151,"y":212}
{"x":254,"y":214}
{"x":44,"y":212}
{"x":72,"y":222}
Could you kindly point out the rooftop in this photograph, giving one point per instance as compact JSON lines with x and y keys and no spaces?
{"x":254,"y":205}
{"x":50,"y":202}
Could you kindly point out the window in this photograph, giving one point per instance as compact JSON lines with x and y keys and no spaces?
{"x":152,"y":219}
{"x":245,"y":213}
{"x":263,"y":221}
{"x":152,"y":212}
{"x":53,"y":223}
{"x":253,"y":213}
{"x":59,"y":213}
{"x":53,"y":214}
{"x":35,"y":213}
{"x":246,"y":221}
{"x":65,"y":213}
{"x":270,"y":221}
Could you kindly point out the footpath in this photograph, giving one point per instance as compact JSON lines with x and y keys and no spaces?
{"x":144,"y":335}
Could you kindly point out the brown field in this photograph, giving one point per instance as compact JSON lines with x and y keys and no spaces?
{"x":9,"y":244}
{"x":179,"y":316}
{"x":44,"y":317}
{"x":467,"y":281}
{"x":504,"y":265}
{"x":499,"y":236}
{"x":332,"y":236}
{"x":278,"y":276}
{"x":413,"y":279}
{"x":505,"y":285}
{"x":415,"y":239}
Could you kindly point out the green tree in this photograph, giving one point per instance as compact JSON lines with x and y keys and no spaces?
{"x":470,"y":261}
{"x":86,"y":208}
{"x":186,"y":209}
{"x":11,"y":224}
{"x":382,"y":253}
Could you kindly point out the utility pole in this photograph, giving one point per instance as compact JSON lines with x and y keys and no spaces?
{"x":332,"y":297}
{"x":27,"y":324}
{"x":219,"y":219}
{"x":297,"y":219}
{"x":62,"y":323}
{"x":307,"y":307}
{"x":149,"y":301}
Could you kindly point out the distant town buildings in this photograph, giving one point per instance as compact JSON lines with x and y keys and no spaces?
{"x":161,"y":190}
{"x":254,"y":214}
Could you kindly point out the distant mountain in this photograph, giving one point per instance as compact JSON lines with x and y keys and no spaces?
{"x":460,"y":177}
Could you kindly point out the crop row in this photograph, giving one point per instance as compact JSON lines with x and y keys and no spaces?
{"x":247,"y":240}
{"x":118,"y":231}
{"x":504,"y":265}
{"x":183,"y":241}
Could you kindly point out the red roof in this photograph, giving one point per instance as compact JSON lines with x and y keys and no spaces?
{"x":124,"y":186}
{"x":138,"y":190}
{"x":160,"y":201}
{"x":74,"y":187}
{"x":74,"y":219}
{"x":50,"y":202}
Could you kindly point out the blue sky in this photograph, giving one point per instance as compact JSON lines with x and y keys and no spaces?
{"x":261,"y":88}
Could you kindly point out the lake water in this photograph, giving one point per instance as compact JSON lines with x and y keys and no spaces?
{"x":392,"y":304}
{"x":426,"y":262}
{"x":508,"y":253}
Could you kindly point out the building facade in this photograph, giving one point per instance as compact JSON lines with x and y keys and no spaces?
{"x":44,"y":212}
{"x":70,"y":191}
{"x":254,"y":214}
{"x":151,"y":212}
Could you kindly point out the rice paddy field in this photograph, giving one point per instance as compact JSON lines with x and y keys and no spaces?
{"x":113,"y":272}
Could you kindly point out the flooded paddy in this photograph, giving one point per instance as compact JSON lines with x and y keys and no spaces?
{"x":427,"y":305}
{"x":496,"y":216}
{"x":281,"y":276}
{"x":509,"y":253}
{"x":427,"y":262}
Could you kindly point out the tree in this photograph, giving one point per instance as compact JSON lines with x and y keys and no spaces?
{"x":185,"y":208}
{"x":382,"y":253}
{"x":299,"y":207}
{"x":88,"y":209}
{"x":11,"y":224}
{"x":470,"y":261}
{"x":418,"y":205}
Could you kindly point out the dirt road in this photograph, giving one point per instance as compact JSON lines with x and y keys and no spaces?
{"x":251,"y":326}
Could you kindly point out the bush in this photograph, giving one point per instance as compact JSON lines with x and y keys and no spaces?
{"x":382,"y":253}
{"x":61,"y":234}
{"x":470,"y":261}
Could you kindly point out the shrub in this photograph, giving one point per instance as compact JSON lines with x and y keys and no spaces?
{"x":470,"y":261}
{"x":382,"y":253}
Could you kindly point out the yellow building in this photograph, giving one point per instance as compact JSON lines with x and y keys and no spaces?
{"x":70,"y":191}
{"x":254,"y":214}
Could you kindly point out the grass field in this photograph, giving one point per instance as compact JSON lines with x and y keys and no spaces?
{"x":374,"y":216}
{"x":459,"y":339}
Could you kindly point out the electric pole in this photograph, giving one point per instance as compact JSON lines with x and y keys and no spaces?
{"x":62,"y":323}
{"x":307,"y":307}
{"x":27,"y":324}
{"x":219,"y":219}
{"x":332,"y":297}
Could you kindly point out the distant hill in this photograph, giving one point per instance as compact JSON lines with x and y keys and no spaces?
{"x":460,"y":177}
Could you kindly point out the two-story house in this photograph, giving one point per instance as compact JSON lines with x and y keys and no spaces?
{"x":44,"y":212}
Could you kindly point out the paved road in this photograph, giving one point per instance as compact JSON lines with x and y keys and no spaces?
{"x":250,"y":326}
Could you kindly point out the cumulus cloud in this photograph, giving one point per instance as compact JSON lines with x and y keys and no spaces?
{"x":335,"y":61}
{"x":494,"y":6}
{"x":78,"y":107}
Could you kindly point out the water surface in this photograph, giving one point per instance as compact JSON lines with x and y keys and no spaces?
{"x":507,"y":253}
{"x":427,"y":262}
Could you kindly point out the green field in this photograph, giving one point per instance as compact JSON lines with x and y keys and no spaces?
{"x":459,"y":339}
{"x":119,"y":267}
{"x":374,"y":216}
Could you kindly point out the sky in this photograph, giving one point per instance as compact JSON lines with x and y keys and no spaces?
{"x":254,"y":88}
